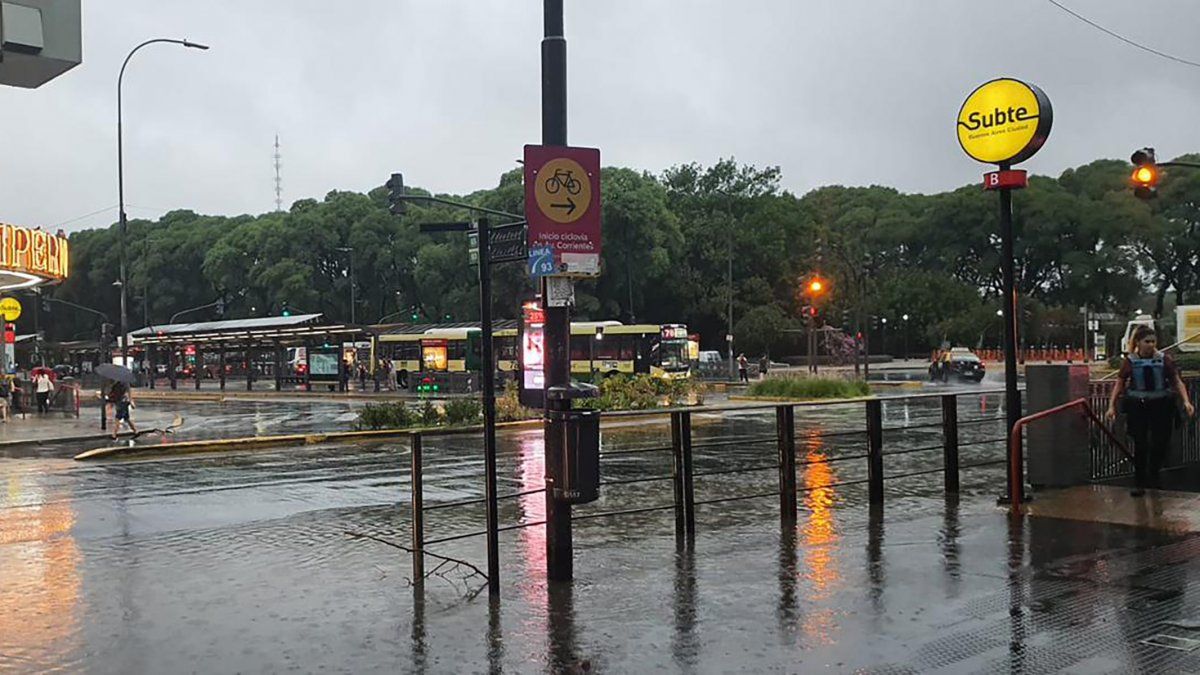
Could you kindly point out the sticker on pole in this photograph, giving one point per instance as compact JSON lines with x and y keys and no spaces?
{"x":562,"y":205}
{"x":541,"y":261}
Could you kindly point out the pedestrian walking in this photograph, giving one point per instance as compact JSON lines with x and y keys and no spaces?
{"x":764,"y":364}
{"x":44,"y":386}
{"x":362,"y":377}
{"x":345,"y":375}
{"x":385,"y":366}
{"x":743,"y":368}
{"x":6,"y":387}
{"x":1148,"y":391}
{"x":120,"y":397}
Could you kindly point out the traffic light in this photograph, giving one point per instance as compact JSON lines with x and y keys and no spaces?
{"x":1145,"y":174}
{"x":395,"y":186}
{"x":816,"y":286}
{"x":415,"y":314}
{"x":106,"y":337}
{"x":286,"y":311}
{"x":220,"y":306}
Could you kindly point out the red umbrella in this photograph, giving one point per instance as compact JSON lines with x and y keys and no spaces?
{"x":43,"y":369}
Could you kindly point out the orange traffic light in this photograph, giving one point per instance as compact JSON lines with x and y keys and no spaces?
{"x":815,"y":286}
{"x":1144,"y":175}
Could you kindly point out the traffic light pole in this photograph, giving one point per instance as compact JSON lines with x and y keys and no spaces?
{"x":1012,"y":396}
{"x":557,"y":329}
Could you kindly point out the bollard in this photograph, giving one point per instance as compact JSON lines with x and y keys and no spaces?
{"x":950,"y":442}
{"x":689,"y":497}
{"x":418,"y":515}
{"x":677,"y":474}
{"x":785,"y":433}
{"x":875,"y":450}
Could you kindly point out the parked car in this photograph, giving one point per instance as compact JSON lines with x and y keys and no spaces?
{"x":960,"y":363}
{"x":710,"y":356}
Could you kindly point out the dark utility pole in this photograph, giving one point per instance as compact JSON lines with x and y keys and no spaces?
{"x":1012,"y":396}
{"x":557,"y":330}
{"x":489,"y":405}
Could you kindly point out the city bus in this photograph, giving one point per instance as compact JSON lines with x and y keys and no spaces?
{"x":604,"y":347}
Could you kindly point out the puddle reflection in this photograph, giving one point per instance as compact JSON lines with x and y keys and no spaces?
{"x":819,"y":537}
{"x":40,"y":580}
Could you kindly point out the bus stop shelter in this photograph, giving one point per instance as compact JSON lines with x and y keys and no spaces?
{"x":254,"y":348}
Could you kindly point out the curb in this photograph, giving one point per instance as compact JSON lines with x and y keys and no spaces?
{"x":779,"y":399}
{"x":60,"y":439}
{"x":219,"y":444}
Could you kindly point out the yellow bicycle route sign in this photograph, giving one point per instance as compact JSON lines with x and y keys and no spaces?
{"x":563,"y":190}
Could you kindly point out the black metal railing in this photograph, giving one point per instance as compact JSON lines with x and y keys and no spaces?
{"x":681,"y":470}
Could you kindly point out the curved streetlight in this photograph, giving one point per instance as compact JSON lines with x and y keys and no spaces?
{"x":121,"y":187}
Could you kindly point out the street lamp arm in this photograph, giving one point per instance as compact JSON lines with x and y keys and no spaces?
{"x":461,"y":205}
{"x":68,"y":303}
{"x":125,"y":63}
{"x":1190,"y":165}
{"x":176,"y":315}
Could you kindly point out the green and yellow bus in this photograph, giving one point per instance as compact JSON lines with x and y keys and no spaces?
{"x":603,"y":347}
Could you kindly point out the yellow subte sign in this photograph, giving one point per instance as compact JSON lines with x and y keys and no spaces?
{"x":10,"y":309}
{"x":1004,"y":122}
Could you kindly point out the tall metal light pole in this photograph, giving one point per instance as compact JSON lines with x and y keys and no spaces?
{"x":557,"y":327}
{"x":350,"y":250}
{"x":121,"y":189}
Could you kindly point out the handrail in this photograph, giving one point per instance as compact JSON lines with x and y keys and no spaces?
{"x":1015,"y":466}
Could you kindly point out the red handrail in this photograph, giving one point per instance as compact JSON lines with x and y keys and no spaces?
{"x":1015,"y":466}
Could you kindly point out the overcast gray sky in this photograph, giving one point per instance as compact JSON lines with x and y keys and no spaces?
{"x":850,"y":92}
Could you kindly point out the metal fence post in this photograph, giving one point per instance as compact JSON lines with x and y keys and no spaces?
{"x":418,"y":515}
{"x":785,"y":433}
{"x":689,"y":497}
{"x":875,"y":450}
{"x":950,"y":442}
{"x":677,"y":473}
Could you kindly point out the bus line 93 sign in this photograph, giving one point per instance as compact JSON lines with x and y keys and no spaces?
{"x":1004,"y":122}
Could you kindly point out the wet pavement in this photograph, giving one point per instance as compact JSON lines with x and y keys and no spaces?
{"x":241,"y":562}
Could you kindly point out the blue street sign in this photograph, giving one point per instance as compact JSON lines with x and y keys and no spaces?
{"x":541,"y":261}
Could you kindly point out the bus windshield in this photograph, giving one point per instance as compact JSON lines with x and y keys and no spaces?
{"x":674,"y":354}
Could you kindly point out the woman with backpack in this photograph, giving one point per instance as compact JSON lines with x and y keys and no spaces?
{"x":1148,"y":390}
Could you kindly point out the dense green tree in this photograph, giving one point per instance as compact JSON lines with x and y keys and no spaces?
{"x":678,"y":247}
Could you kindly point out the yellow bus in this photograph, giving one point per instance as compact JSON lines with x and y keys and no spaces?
{"x":603,"y":347}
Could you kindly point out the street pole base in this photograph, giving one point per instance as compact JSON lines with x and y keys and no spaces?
{"x":1006,"y":500}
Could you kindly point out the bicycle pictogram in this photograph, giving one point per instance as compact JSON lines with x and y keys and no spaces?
{"x":563,"y":178}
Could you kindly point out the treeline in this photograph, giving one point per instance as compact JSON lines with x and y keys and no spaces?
{"x":671,"y":243}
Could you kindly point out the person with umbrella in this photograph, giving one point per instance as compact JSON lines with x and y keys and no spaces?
{"x":119,"y":395}
{"x":43,"y":383}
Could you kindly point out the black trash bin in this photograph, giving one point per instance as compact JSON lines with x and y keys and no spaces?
{"x":578,"y":471}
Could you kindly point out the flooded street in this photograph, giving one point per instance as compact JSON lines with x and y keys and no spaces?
{"x":242,"y":561}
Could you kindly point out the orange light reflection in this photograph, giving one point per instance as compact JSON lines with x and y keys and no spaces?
{"x":819,"y":536}
{"x":39,"y":570}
